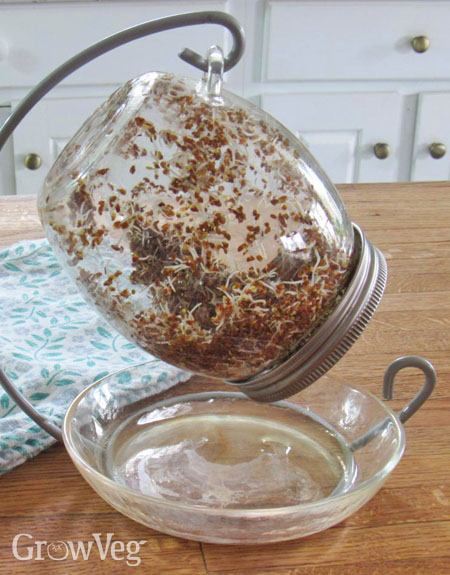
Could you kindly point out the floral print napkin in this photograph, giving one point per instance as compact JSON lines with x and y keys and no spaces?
{"x":52,"y":345}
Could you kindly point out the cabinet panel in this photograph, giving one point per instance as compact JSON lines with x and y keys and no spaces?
{"x":433,"y":125}
{"x":337,"y":150}
{"x":45,"y":131}
{"x":356,"y":40}
{"x":38,"y":37}
{"x":341,"y":130}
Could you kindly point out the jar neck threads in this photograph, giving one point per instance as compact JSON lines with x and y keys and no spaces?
{"x":334,"y":337}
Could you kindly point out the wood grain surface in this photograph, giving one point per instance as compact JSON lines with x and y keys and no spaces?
{"x":403,"y":530}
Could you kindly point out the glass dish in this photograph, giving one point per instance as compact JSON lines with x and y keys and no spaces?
{"x":198,"y":460}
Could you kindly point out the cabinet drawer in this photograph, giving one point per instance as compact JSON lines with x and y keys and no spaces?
{"x":341,"y":130}
{"x":356,"y":40}
{"x":36,"y":38}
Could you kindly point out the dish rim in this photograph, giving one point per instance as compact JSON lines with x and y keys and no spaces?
{"x":331,"y":499}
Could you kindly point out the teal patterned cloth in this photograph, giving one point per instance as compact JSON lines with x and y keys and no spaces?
{"x":52,"y":346}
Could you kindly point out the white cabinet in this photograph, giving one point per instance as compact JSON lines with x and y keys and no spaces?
{"x":368,"y":40}
{"x":341,"y":130}
{"x":433,"y":128}
{"x":346,"y":75}
{"x":342,"y":74}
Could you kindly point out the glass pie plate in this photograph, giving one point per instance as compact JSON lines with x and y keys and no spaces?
{"x":191,"y":457}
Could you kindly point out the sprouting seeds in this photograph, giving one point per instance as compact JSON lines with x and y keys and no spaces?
{"x":194,"y":231}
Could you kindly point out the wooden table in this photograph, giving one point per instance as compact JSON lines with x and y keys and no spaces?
{"x":403,"y":530}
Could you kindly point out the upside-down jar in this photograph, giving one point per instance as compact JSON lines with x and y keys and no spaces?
{"x":208,"y":235}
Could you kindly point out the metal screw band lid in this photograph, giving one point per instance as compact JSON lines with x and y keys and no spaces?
{"x":334,"y":337}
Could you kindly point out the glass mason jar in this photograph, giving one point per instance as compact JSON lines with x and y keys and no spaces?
{"x":199,"y":226}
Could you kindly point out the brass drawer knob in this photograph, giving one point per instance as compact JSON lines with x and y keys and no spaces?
{"x":420,"y":44}
{"x":382,"y":150}
{"x":33,"y":161}
{"x":437,"y":150}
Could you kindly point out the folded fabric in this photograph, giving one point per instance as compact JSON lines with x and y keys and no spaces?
{"x":52,"y":346}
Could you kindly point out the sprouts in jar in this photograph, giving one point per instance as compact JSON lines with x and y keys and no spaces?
{"x":207,"y":234}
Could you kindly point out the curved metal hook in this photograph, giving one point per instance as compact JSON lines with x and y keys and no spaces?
{"x":27,"y":408}
{"x":123,"y":37}
{"x":234,"y":55}
{"x":430,"y":381}
{"x":388,"y":388}
{"x":50,"y":81}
